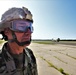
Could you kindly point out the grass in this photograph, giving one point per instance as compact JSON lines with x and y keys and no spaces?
{"x":1,"y":41}
{"x":44,"y":42}
{"x":54,"y":42}
{"x":71,"y":56}
{"x":68,"y":42}
{"x":60,"y":60}
{"x":67,"y":55}
{"x":51,"y":65}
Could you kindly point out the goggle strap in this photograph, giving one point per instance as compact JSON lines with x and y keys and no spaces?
{"x":6,"y":25}
{"x":13,"y":34}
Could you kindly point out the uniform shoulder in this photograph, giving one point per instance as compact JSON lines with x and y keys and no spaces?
{"x":29,"y":50}
{"x":31,"y":55}
{"x":33,"y":61}
{"x":1,"y":59}
{"x":0,"y":54}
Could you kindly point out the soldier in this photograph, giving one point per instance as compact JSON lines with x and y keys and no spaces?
{"x":16,"y":28}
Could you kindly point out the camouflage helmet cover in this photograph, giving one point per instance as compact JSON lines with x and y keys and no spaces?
{"x":15,"y":13}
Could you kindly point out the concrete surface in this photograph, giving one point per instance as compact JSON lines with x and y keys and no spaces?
{"x":60,"y":56}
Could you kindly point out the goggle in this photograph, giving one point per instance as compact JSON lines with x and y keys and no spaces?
{"x":21,"y":26}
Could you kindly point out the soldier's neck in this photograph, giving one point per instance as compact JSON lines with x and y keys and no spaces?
{"x":16,"y":49}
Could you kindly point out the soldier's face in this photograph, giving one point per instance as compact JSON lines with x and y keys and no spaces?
{"x":21,"y":36}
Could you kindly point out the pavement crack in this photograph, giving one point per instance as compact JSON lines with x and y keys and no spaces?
{"x":51,"y":65}
{"x":67,"y":55}
{"x":60,"y":60}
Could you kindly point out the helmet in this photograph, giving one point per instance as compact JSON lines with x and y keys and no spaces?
{"x":14,"y":14}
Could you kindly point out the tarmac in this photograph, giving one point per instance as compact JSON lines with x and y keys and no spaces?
{"x":55,"y":59}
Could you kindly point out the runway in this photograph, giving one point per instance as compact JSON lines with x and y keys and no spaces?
{"x":55,"y":59}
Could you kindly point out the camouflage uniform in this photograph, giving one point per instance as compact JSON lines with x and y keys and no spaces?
{"x":23,"y":64}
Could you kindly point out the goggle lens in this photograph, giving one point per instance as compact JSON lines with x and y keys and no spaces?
{"x":21,"y":26}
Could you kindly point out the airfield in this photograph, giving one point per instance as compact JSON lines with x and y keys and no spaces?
{"x":55,"y":59}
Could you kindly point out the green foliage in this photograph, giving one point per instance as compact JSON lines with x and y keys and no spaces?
{"x":58,"y":39}
{"x":62,"y":71}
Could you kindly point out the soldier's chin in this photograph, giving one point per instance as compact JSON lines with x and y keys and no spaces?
{"x":27,"y":42}
{"x":26,"y":45}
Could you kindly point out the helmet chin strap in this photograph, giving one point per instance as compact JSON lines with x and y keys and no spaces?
{"x":19,"y":43}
